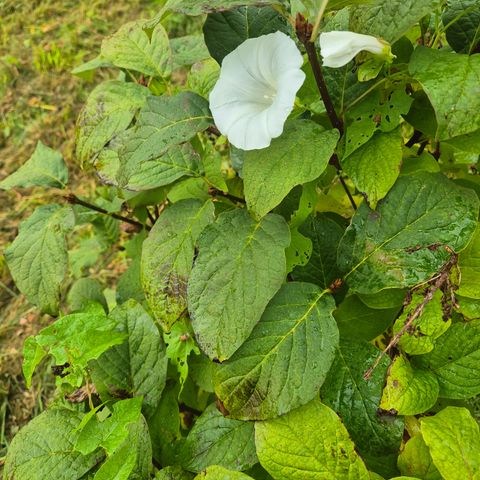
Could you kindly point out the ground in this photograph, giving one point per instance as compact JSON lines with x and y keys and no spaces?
{"x":41,"y":41}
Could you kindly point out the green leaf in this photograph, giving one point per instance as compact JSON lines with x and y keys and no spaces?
{"x":38,"y":258}
{"x":453,"y":437}
{"x":239,"y":268}
{"x":109,"y":110}
{"x":321,"y":268}
{"x":415,"y":460}
{"x":455,"y":360}
{"x":133,"y":49}
{"x":413,"y":225}
{"x":180,"y":344}
{"x":174,"y":473}
{"x":377,"y":112}
{"x":216,"y":440}
{"x":420,"y":337}
{"x":469,"y":263}
{"x":357,"y":321}
{"x":203,"y":76}
{"x":167,"y":257}
{"x":84,"y":291}
{"x":389,"y":298}
{"x":357,"y":400}
{"x":283,"y":363}
{"x":45,"y":449}
{"x":463,"y":20}
{"x":299,"y":156}
{"x":74,"y":340}
{"x":198,"y":7}
{"x":389,"y":19}
{"x":188,"y":50}
{"x":225,"y":31}
{"x":375,"y":166}
{"x":176,"y":162}
{"x":162,"y":122}
{"x":309,"y":443}
{"x":138,"y":366}
{"x":219,"y":473}
{"x":450,"y":82}
{"x":409,"y":391}
{"x":45,"y":168}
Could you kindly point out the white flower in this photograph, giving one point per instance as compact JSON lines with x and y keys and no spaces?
{"x":256,"y":90}
{"x":338,"y":48}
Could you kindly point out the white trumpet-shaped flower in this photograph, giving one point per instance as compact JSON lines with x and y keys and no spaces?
{"x":256,"y":90}
{"x":338,"y":48}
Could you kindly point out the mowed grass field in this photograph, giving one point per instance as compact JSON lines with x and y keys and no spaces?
{"x":41,"y":41}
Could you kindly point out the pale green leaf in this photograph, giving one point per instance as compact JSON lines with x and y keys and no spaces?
{"x":389,"y":19}
{"x":38,"y":258}
{"x":298,"y":156}
{"x":74,"y":340}
{"x":469,"y":263}
{"x":167,"y":257}
{"x":109,"y":110}
{"x":409,"y":391}
{"x":188,"y":50}
{"x":286,"y":358}
{"x":375,"y":166}
{"x":453,"y":437}
{"x":84,"y":291}
{"x":408,"y":238}
{"x":216,"y":440}
{"x":138,"y":366}
{"x":239,"y":268}
{"x":455,"y":360}
{"x":415,"y":460}
{"x":162,"y":122}
{"x":44,"y":449}
{"x":133,"y":49}
{"x":451,"y":82}
{"x":219,"y":473}
{"x":309,"y":443}
{"x":45,"y":168}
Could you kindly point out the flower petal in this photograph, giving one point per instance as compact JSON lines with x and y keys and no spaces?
{"x":256,"y":90}
{"x":338,"y":48}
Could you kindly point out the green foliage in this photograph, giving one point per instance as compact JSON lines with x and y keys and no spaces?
{"x":305,"y":311}
{"x":45,"y":168}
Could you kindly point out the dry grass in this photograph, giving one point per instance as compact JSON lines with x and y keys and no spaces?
{"x":40,"y":42}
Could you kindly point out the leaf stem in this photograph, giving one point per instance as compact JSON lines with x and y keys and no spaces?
{"x":74,"y":200}
{"x":316,"y":25}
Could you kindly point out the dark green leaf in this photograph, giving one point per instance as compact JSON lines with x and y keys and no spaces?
{"x":463,"y":20}
{"x":413,"y":225}
{"x":225,"y":31}
{"x":357,"y":401}
{"x":239,"y":268}
{"x":138,"y":366}
{"x":216,"y":440}
{"x":84,"y":291}
{"x":45,"y":449}
{"x":455,"y":360}
{"x":284,"y":362}
{"x":197,"y":7}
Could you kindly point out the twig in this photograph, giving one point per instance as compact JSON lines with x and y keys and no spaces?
{"x":214,"y":192}
{"x":439,"y":281}
{"x":74,"y":200}
{"x":150,"y":216}
{"x":417,"y":135}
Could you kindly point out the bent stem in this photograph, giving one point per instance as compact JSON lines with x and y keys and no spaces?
{"x":74,"y":200}
{"x":438,"y":282}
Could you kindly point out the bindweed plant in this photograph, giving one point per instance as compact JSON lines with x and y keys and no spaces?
{"x":299,"y":195}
